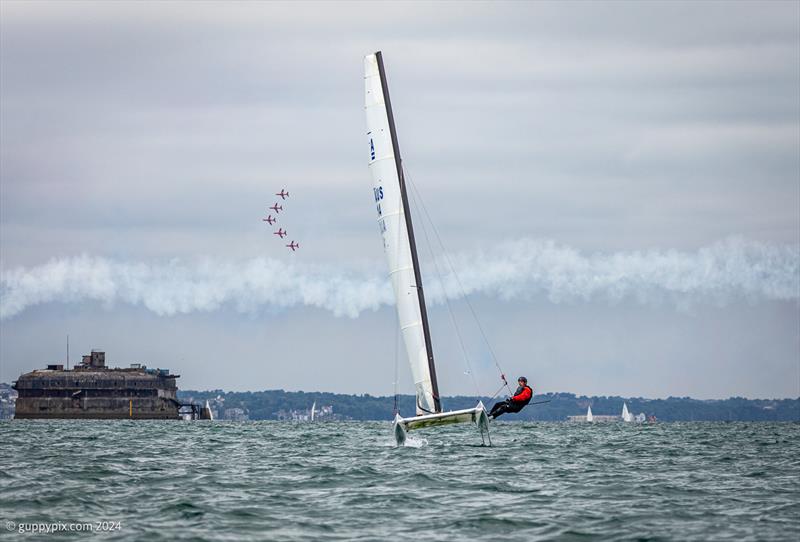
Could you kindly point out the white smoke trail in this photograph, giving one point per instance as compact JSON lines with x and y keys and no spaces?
{"x":519,"y":270}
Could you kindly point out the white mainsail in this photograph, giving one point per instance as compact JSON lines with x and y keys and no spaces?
{"x":394,"y":222}
{"x":589,"y":416}
{"x":626,"y":416}
{"x":313,"y":410}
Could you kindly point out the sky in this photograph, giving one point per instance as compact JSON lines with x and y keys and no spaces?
{"x":616,"y":189}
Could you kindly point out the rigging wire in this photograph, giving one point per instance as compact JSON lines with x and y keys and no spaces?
{"x":395,"y":410}
{"x":460,"y":286}
{"x":398,"y":331}
{"x":417,"y":200}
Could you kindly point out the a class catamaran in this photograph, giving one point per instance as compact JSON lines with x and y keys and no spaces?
{"x":394,"y":221}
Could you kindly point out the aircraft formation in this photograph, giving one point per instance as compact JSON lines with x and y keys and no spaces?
{"x":273,"y":220}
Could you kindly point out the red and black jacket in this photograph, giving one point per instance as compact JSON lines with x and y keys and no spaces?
{"x":523,"y":395}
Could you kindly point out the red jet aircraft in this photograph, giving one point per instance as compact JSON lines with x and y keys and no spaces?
{"x":269,"y":220}
{"x":280,"y":233}
{"x":283,"y":193}
{"x":277,"y":208}
{"x":294,"y":246}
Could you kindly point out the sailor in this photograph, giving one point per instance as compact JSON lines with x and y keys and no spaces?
{"x":521,"y":397}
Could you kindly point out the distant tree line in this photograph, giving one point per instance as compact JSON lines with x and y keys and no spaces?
{"x":264,"y":405}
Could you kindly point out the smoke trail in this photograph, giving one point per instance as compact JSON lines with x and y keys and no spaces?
{"x":519,"y":270}
{"x":733,"y":268}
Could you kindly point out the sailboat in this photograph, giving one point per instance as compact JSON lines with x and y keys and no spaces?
{"x":313,"y":410}
{"x":626,"y":416}
{"x":394,"y":222}
{"x":589,"y":416}
{"x":206,"y":413}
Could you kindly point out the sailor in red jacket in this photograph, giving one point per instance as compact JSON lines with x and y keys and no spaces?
{"x":522,"y":397}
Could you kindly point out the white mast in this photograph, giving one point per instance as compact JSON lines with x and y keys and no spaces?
{"x":394,"y":221}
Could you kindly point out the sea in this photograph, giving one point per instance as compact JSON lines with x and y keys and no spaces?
{"x":264,"y":480}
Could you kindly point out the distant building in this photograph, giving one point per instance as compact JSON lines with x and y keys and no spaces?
{"x":235,"y":414}
{"x":90,"y":390}
{"x":314,"y":414}
{"x":325,"y":413}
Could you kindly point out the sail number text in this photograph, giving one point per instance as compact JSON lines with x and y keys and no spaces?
{"x":378,"y":193}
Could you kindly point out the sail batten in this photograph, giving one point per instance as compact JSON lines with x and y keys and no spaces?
{"x":399,"y":269}
{"x":394,"y":219}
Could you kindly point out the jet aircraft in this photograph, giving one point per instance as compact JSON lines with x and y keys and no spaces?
{"x":294,"y":246}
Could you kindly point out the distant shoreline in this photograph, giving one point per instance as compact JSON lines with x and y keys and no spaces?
{"x":280,"y":404}
{"x":297,"y":406}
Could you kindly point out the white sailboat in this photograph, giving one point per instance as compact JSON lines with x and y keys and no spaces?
{"x":313,"y":410}
{"x":626,"y":416}
{"x":394,"y":221}
{"x":589,"y":416}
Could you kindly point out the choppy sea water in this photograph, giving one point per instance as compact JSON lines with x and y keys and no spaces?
{"x":346,"y":481}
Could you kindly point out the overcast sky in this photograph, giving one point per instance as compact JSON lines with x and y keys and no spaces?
{"x":617,"y":186}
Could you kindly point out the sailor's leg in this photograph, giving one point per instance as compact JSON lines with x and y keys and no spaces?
{"x":497,"y":408}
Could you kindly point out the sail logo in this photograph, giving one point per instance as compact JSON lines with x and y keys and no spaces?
{"x":371,"y":149}
{"x":378,"y":193}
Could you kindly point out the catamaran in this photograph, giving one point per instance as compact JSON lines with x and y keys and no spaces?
{"x":394,"y":222}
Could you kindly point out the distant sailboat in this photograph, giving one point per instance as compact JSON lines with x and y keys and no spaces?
{"x":394,"y":221}
{"x":313,"y":410}
{"x":206,"y":413}
{"x":626,"y":416}
{"x":589,"y":417}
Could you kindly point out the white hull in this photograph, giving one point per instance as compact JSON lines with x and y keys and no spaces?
{"x":477,"y":415}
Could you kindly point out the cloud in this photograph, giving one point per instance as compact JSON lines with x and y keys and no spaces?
{"x":521,"y":269}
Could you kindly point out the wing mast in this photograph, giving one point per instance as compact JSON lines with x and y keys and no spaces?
{"x":412,"y":242}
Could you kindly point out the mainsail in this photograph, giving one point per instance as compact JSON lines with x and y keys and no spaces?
{"x":589,"y":417}
{"x":626,"y":416}
{"x":394,"y":222}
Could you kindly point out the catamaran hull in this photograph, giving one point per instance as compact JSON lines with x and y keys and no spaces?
{"x":477,"y":415}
